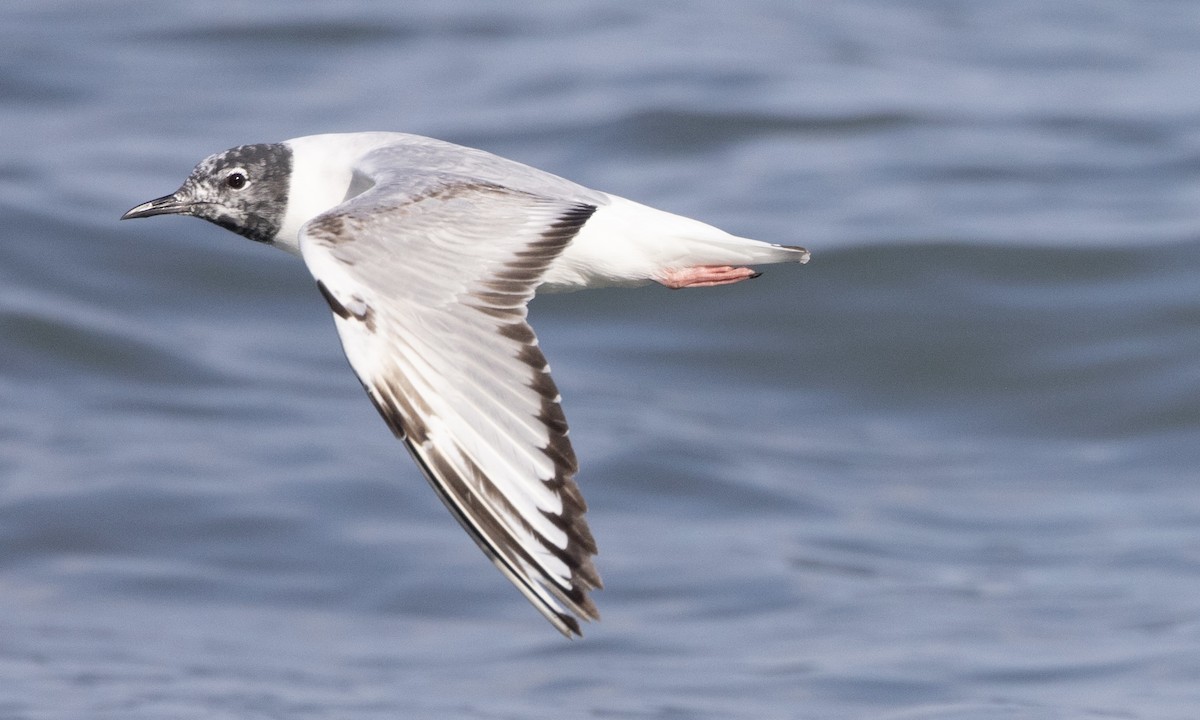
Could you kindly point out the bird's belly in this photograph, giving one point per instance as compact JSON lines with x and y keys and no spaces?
{"x":622,"y":244}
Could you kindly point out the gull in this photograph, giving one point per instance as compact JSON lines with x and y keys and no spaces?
{"x":428,"y":254}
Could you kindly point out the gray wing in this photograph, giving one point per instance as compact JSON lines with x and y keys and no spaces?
{"x":428,"y":277}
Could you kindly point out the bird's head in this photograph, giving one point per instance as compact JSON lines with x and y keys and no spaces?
{"x":244,"y":189}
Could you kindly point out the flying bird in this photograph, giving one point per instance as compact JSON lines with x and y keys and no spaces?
{"x":427,"y":254}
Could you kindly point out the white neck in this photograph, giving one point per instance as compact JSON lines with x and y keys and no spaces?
{"x":322,"y":170}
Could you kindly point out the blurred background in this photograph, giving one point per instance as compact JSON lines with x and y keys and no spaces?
{"x":946,"y":470}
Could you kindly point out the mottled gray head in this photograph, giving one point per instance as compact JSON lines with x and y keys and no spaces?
{"x":244,"y":189}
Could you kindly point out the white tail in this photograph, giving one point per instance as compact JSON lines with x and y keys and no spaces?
{"x":627,"y":243}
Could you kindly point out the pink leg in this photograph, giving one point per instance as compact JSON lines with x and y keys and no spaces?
{"x":704,"y":276}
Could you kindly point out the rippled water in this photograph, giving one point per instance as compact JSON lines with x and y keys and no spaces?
{"x":946,"y":470}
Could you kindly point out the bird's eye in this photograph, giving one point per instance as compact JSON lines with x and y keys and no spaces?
{"x":235,"y":180}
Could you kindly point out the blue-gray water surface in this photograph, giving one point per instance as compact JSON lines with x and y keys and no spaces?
{"x":946,"y":470}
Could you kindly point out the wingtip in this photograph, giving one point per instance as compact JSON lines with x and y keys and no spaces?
{"x":569,"y":627}
{"x":805,"y":255}
{"x":568,"y":624}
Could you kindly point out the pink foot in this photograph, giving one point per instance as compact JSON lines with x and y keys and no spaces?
{"x":704,"y":276}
